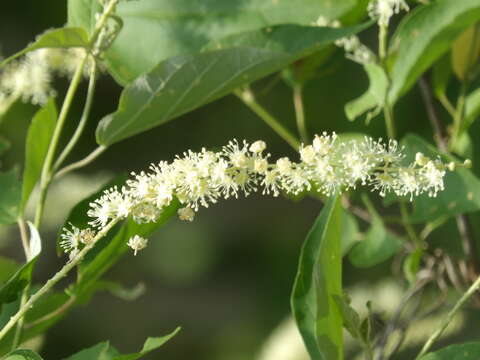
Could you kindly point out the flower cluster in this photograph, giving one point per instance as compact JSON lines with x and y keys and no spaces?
{"x":30,"y":78}
{"x":197,"y":179}
{"x":383,"y":10}
{"x":354,"y":49}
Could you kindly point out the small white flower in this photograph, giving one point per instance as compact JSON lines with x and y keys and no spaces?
{"x":237,"y":154}
{"x":307,"y":154}
{"x":433,"y":176}
{"x":271,"y":182}
{"x":87,"y":236}
{"x":202,"y":178}
{"x":284,"y":166}
{"x":137,"y":243}
{"x":421,"y":159}
{"x":145,"y":212}
{"x":383,"y":10}
{"x":383,"y":183}
{"x":186,"y":214}
{"x":260,"y":166}
{"x":258,"y":146}
{"x":408,"y":183}
{"x":71,"y":239}
{"x":324,"y":144}
{"x":112,"y":204}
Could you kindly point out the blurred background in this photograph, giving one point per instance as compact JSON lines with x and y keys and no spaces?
{"x":225,"y":278}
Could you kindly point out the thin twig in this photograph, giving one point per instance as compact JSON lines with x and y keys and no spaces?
{"x":392,"y":324}
{"x":55,"y":279}
{"x":451,"y":273}
{"x":46,"y":174}
{"x":248,"y":98}
{"x":432,"y":114}
{"x":85,"y":161}
{"x":83,"y":120}
{"x":448,"y":319}
{"x":51,"y":315}
{"x":463,"y":222}
{"x":300,"y":111}
{"x":469,"y":245}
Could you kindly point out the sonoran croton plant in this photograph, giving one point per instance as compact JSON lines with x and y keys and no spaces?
{"x":223,"y":48}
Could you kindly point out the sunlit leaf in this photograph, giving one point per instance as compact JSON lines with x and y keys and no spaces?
{"x":38,"y":140}
{"x":466,"y":51}
{"x":56,"y":38}
{"x":23,"y":354}
{"x":424,"y":35}
{"x":377,"y":246}
{"x":374,"y":98}
{"x":10,"y":196}
{"x":184,"y":83}
{"x":318,"y":282}
{"x":105,"y":351}
{"x":156,"y":30}
{"x":467,"y":351}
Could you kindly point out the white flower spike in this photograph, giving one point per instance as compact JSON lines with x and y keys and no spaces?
{"x":197,"y":179}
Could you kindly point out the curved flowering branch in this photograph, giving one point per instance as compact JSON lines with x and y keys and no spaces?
{"x":198,"y":179}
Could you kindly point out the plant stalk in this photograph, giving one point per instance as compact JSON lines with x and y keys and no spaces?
{"x":448,"y":319}
{"x":412,"y":234}
{"x":463,"y":222}
{"x":248,"y":99}
{"x":55,"y":279}
{"x":83,"y":120}
{"x":300,"y":112}
{"x":81,"y":163}
{"x":46,"y":175}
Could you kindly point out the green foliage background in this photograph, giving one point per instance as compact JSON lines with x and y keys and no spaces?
{"x":226,"y":278}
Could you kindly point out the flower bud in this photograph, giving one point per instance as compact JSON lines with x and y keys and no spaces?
{"x":258,"y":146}
{"x":186,"y":214}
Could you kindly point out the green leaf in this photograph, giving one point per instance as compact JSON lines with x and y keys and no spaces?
{"x":23,"y":354}
{"x":7,"y":268}
{"x":38,"y":319}
{"x":10,"y":196}
{"x":472,"y":108}
{"x":35,"y":243}
{"x":104,"y":351}
{"x":374,"y":98}
{"x":424,"y":35}
{"x":156,"y":30}
{"x":151,"y":344}
{"x":351,"y":319}
{"x":38,"y":140}
{"x":181,"y":84}
{"x":4,"y":145}
{"x":467,"y":351}
{"x":97,"y":352}
{"x":463,"y":146}
{"x":411,"y":265}
{"x":56,"y":38}
{"x":318,"y":281}
{"x":378,"y":246}
{"x":441,"y":74}
{"x":18,"y":281}
{"x":461,"y":193}
{"x":350,"y":232}
{"x":12,"y":288}
{"x":465,"y":51}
